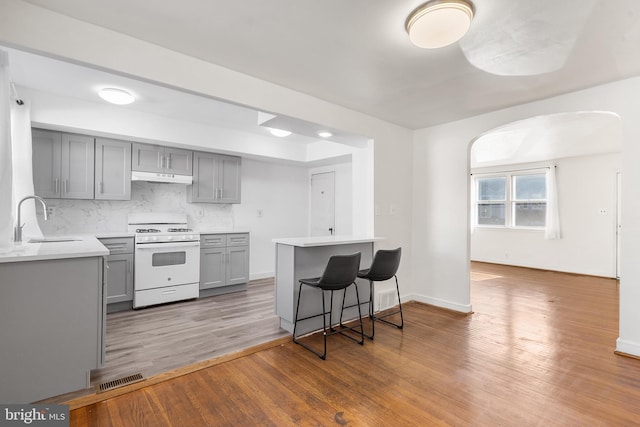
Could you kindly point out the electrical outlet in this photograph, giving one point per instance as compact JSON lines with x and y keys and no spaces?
{"x":259,"y":213}
{"x":51,"y":211}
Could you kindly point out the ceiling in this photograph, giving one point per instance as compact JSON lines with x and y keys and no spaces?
{"x":71,"y":80}
{"x":548,"y":137}
{"x":356,"y":53}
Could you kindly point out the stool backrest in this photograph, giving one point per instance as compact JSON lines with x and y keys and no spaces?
{"x":340,"y":272}
{"x":385,"y":264}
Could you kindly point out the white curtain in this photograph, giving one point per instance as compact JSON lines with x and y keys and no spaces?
{"x":21,"y":147}
{"x":552,"y":228}
{"x":6,"y":170}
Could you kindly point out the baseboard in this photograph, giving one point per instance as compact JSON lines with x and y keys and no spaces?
{"x":544,"y":268}
{"x":627,"y":348}
{"x":264,"y":275}
{"x":462,"y":308}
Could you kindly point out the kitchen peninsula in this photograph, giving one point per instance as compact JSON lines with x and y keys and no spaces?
{"x":52,"y":315}
{"x":304,"y":257}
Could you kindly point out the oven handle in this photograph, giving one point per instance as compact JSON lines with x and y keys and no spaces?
{"x":166,"y":245}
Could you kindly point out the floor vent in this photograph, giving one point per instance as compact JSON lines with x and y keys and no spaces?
{"x":386,"y":299}
{"x":119,"y":382}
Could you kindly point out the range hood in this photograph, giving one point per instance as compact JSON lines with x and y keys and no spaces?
{"x":168,"y":178}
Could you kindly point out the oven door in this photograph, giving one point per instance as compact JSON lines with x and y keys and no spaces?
{"x":166,"y":264}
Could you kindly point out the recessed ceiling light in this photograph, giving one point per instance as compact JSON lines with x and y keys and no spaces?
{"x":279,"y":132}
{"x":439,"y":23}
{"x":116,"y":96}
{"x":325,"y":134}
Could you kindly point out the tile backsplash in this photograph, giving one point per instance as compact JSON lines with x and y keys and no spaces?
{"x":89,"y":216}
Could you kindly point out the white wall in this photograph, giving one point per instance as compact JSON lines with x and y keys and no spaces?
{"x":586,"y":186}
{"x":280,"y":193}
{"x":441,"y":212}
{"x":343,"y":196}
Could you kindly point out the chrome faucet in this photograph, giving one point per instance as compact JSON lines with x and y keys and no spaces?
{"x":17,"y":231}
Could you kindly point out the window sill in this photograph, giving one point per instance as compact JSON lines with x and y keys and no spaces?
{"x":518,"y":229}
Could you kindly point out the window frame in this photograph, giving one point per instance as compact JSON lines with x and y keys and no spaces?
{"x":510,"y":200}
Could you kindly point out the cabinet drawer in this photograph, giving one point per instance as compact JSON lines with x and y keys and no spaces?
{"x":213,"y":240}
{"x":118,"y":245}
{"x":240,"y":239}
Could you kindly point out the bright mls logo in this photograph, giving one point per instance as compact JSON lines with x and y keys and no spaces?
{"x":36,"y":415}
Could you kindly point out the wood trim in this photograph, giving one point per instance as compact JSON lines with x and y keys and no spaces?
{"x":166,"y":376}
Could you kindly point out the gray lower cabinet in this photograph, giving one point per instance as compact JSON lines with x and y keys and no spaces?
{"x":224,"y":260}
{"x":113,"y":170}
{"x":63,"y":165}
{"x":119,"y":271}
{"x":156,"y":158}
{"x":216,"y":179}
{"x":52,"y":312}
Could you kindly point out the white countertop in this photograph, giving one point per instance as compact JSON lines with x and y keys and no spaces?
{"x":220,"y":231}
{"x":84,"y":246}
{"x":111,"y":234}
{"x":305,"y":242}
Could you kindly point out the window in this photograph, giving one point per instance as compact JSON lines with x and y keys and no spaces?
{"x":511,"y":199}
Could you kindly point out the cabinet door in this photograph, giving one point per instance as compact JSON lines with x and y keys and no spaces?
{"x":228,"y":179}
{"x":148,"y":158}
{"x":113,"y":170}
{"x":46,"y":163}
{"x":212,"y":268}
{"x":77,"y":167}
{"x":203,"y":189}
{"x":119,"y":278}
{"x":237,"y":265}
{"x":178,"y":161}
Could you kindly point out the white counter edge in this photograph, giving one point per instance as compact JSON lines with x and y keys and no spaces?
{"x":84,"y":247}
{"x":305,"y":242}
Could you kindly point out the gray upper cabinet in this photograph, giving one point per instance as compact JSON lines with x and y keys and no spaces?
{"x":63,"y":165}
{"x":216,"y":179}
{"x":156,"y":158}
{"x":113,"y":170}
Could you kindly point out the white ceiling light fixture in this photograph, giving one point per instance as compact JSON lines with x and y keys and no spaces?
{"x":116,"y":96}
{"x":439,"y":23}
{"x":324,"y":134}
{"x":279,"y":132}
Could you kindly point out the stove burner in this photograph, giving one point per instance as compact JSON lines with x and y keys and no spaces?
{"x":179,"y":230}
{"x":147,"y":230}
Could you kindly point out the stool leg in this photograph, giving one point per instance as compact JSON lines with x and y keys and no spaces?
{"x":295,"y":322}
{"x":322,"y":355}
{"x":371,"y":316}
{"x":359,"y":315}
{"x":352,"y":328}
{"x":397,"y":325}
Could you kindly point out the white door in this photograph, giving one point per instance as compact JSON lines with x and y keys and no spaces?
{"x":323,"y":203}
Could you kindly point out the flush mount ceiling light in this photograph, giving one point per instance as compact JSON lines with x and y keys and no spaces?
{"x":439,"y":23}
{"x":116,"y":96}
{"x":324,"y":134}
{"x":279,"y":132}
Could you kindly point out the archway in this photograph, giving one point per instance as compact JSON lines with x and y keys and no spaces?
{"x":585,"y":146}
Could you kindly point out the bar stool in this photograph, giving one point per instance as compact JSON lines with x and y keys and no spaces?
{"x":339,"y":274}
{"x":384,"y":266}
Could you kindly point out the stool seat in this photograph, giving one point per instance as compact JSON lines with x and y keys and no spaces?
{"x":339,"y":274}
{"x":383,"y":267}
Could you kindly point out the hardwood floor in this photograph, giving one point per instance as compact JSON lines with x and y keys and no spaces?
{"x":537,"y":351}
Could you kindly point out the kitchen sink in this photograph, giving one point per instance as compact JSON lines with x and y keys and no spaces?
{"x":54,"y":240}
